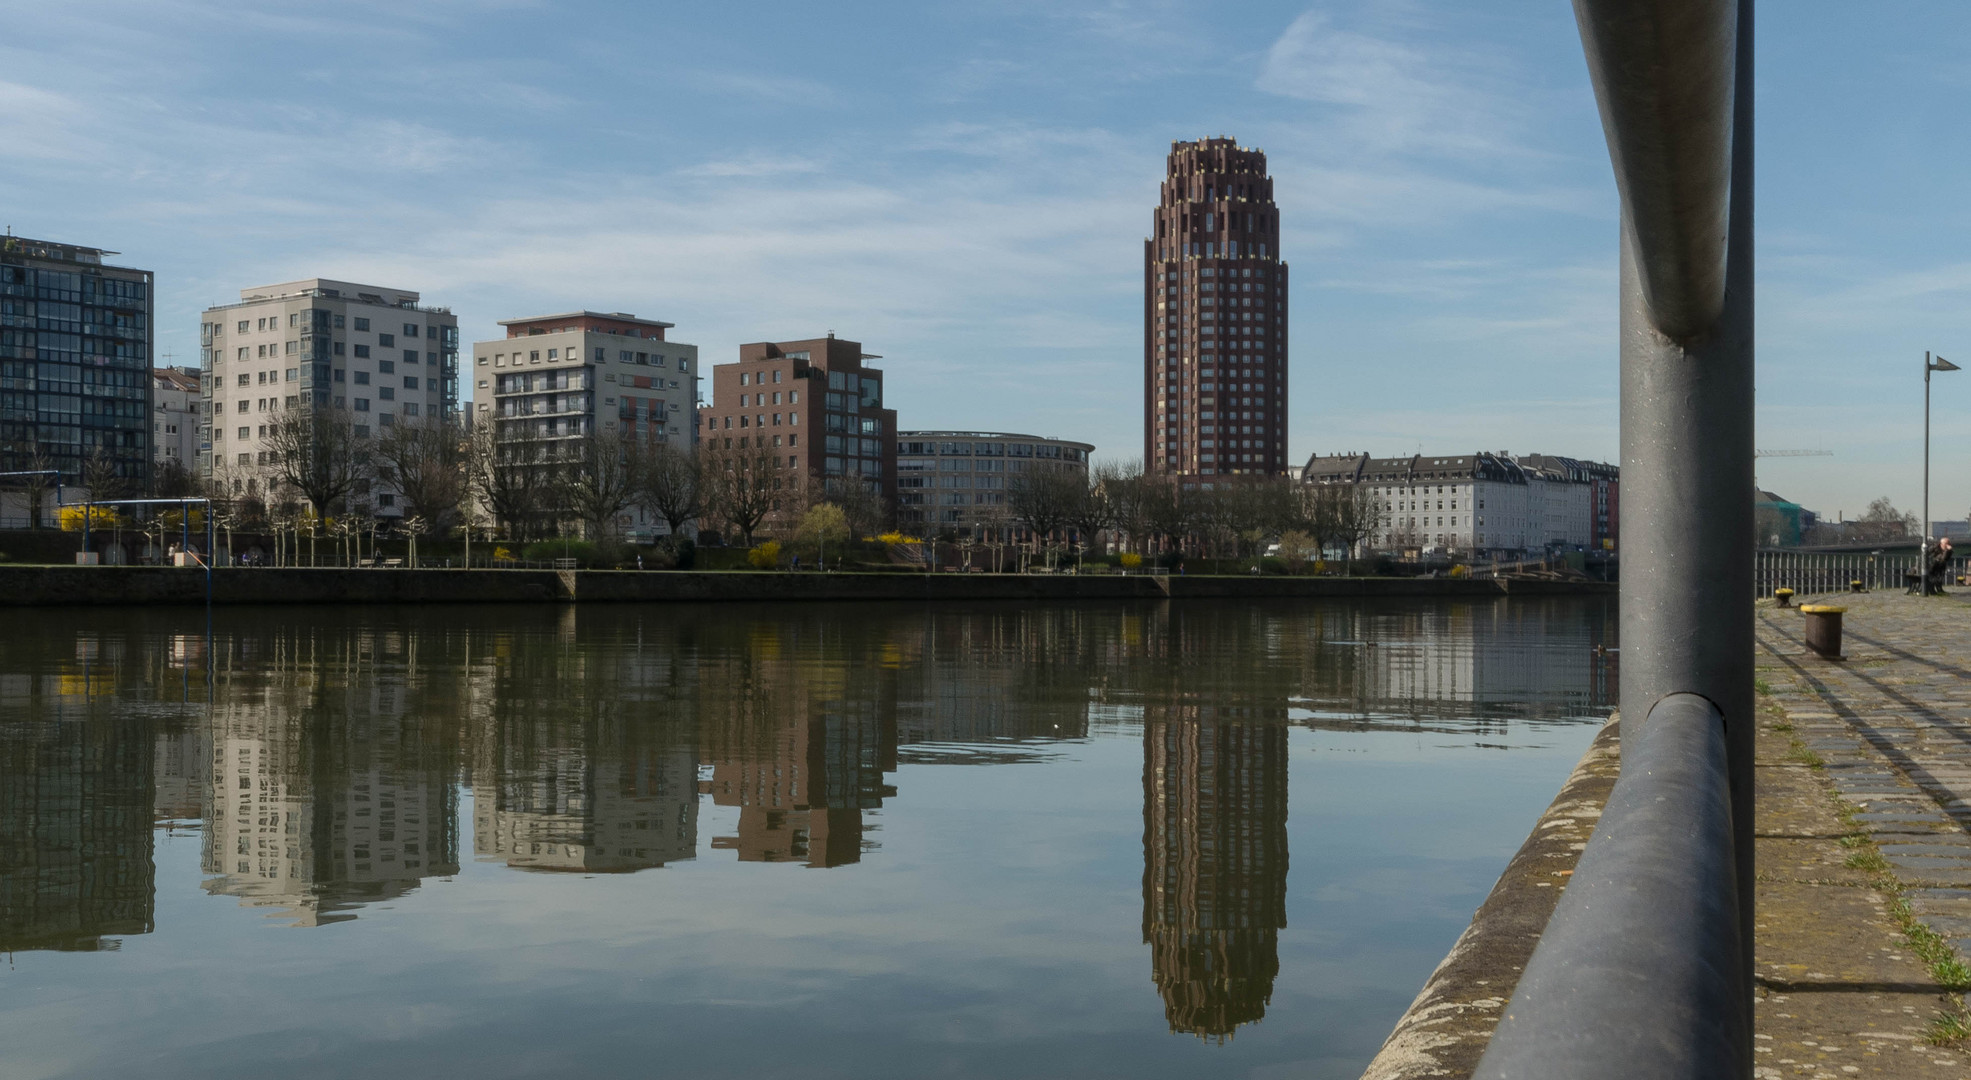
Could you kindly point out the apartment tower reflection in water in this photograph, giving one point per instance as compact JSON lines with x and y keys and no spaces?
{"x":1214,"y":864}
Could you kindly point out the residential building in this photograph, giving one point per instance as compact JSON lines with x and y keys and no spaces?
{"x":75,"y":360}
{"x":175,"y":415}
{"x":955,"y":481}
{"x":1484,"y":503}
{"x":817,"y":402}
{"x":554,"y":378}
{"x":375,"y":355}
{"x":1215,"y":317}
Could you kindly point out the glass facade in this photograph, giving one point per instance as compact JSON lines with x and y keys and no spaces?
{"x":75,"y":363}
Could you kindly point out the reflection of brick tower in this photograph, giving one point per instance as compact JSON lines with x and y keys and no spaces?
{"x":1214,"y":866}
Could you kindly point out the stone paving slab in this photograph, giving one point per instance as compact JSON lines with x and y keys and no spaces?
{"x":1886,"y":734}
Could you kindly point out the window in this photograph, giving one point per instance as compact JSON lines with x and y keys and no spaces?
{"x":362,"y":351}
{"x":245,"y":433}
{"x":387,"y":393}
{"x":362,"y":324}
{"x":242,"y":404}
{"x":386,"y":367}
{"x":362,"y":378}
{"x":245,"y":378}
{"x":410,"y":355}
{"x":338,"y":374}
{"x":338,"y":322}
{"x":410,"y":330}
{"x":388,"y":341}
{"x":242,"y":326}
{"x":362,"y":403}
{"x":338,"y":348}
{"x":410,"y":382}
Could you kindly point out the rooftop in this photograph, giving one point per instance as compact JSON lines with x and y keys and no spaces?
{"x":614,"y":316}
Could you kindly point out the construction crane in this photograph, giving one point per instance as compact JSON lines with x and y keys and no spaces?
{"x":1792,"y":453}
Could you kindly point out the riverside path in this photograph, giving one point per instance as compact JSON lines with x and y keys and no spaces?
{"x":1864,"y":849}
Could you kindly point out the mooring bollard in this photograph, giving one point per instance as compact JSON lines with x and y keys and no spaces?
{"x":1823,"y":629}
{"x":1783,"y":597}
{"x":1855,"y":585}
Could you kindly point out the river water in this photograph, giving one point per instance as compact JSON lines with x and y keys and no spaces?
{"x":1110,"y":840}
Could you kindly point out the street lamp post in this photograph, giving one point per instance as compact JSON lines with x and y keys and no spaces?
{"x":1929,"y":365}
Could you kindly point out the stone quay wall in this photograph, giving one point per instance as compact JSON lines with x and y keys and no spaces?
{"x":88,"y":585}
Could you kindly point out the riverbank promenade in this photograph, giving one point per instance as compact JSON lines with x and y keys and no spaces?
{"x":1864,"y":850}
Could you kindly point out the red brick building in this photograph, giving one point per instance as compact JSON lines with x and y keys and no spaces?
{"x":815,"y":404}
{"x":1215,"y":318}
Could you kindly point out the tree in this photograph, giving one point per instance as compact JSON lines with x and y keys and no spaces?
{"x":673,"y":486}
{"x":1350,"y":513}
{"x":171,"y":479}
{"x":1088,"y":512}
{"x":317,"y":454}
{"x":28,"y":457}
{"x":509,"y":478}
{"x":600,"y":479}
{"x":1168,"y":509}
{"x":862,"y":504}
{"x":1042,"y":498}
{"x":426,"y":463}
{"x":1122,"y":492}
{"x":101,"y":477}
{"x":742,"y":485}
{"x":824,"y":522}
{"x":1882,"y":521}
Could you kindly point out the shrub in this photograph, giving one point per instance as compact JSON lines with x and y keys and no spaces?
{"x":683,"y":552}
{"x":765,"y":556}
{"x":1130,"y":560}
{"x":100,"y":517}
{"x":502,"y":554}
{"x":1461,"y":571}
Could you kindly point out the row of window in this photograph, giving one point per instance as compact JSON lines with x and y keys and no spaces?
{"x":554,"y":356}
{"x":758,"y":400}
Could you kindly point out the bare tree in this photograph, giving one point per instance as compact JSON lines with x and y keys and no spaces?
{"x":318,"y":454}
{"x":673,"y":486}
{"x":1350,"y":514}
{"x":600,"y":479}
{"x":862,"y":504}
{"x":101,"y":477}
{"x":740,"y":485}
{"x":1088,"y":512}
{"x":28,"y":457}
{"x":1042,"y":499}
{"x":1122,"y":491}
{"x":1168,"y":509}
{"x":426,"y":463}
{"x":511,"y":479}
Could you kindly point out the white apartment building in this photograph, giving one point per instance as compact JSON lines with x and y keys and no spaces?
{"x":1472,"y":503}
{"x":374,"y":354}
{"x":175,"y":415}
{"x":558,"y":377}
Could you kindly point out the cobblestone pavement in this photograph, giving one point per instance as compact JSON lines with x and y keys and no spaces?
{"x":1864,"y":801}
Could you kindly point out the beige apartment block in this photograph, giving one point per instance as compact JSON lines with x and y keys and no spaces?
{"x":376,"y":355}
{"x":553,"y":378}
{"x":176,"y":410}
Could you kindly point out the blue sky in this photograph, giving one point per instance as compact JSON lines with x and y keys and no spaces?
{"x":964,"y":188}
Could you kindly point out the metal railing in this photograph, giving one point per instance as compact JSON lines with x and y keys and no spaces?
{"x":1809,"y":572}
{"x":1645,"y":968}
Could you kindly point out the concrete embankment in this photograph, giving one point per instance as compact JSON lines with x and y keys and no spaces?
{"x":56,"y":585}
{"x":1447,"y":1028}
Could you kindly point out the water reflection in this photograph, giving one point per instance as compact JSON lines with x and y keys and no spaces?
{"x":326,"y":755}
{"x":75,"y":834}
{"x":1214,"y":863}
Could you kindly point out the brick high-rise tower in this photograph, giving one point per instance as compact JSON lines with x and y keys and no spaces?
{"x":1215,"y":318}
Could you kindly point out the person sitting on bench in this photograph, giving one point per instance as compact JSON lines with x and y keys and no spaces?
{"x":1938,"y":567}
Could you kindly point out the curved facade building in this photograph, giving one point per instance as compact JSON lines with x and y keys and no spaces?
{"x":956,"y":480}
